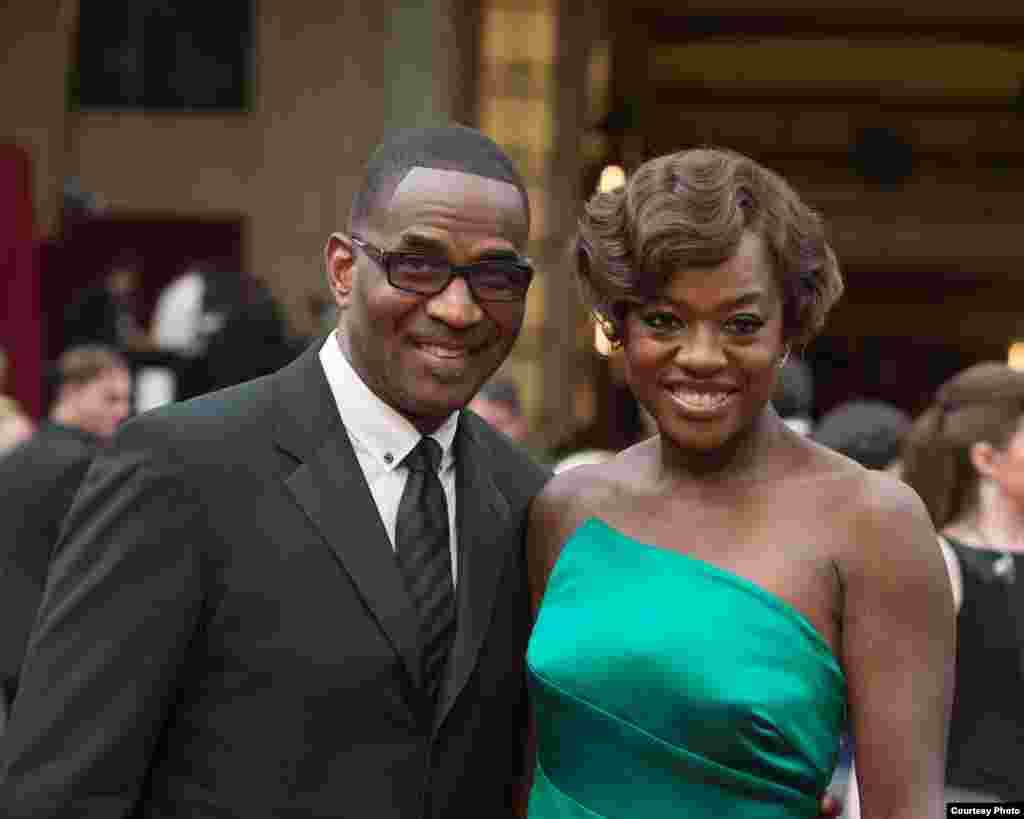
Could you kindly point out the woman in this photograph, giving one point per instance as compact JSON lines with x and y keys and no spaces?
{"x":965,"y":457}
{"x":716,"y":601}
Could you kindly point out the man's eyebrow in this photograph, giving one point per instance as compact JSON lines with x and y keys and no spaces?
{"x":420,"y":243}
{"x":499,"y":253}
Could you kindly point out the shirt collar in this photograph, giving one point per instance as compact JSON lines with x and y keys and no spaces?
{"x":376,"y":426}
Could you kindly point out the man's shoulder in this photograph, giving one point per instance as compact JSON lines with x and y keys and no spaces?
{"x":211,"y":423}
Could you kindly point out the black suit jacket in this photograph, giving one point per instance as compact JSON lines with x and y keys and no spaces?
{"x":225,"y":631}
{"x":38,"y":480}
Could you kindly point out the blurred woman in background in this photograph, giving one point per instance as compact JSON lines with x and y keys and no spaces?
{"x":965,"y":457}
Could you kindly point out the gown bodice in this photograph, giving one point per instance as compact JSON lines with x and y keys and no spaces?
{"x":664,"y":686}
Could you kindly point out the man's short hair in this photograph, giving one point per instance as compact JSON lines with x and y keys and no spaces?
{"x":450,"y":148}
{"x":80,"y":365}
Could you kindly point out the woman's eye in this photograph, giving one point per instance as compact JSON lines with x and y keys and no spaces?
{"x":661,"y":322}
{"x":745,"y":325}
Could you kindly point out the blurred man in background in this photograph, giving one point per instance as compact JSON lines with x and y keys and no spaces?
{"x":38,"y":480}
{"x":499,"y":405}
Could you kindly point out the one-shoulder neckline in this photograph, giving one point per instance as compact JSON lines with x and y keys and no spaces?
{"x":768,"y":597}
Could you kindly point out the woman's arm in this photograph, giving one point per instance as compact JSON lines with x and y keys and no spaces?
{"x":898,"y":652}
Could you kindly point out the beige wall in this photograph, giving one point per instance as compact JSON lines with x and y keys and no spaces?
{"x":327,"y":86}
{"x":35,"y":40}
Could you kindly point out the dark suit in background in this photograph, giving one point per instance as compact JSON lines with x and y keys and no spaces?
{"x":225,"y":631}
{"x":38,"y":481}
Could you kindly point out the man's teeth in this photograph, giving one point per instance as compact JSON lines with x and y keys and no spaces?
{"x":444,"y":352}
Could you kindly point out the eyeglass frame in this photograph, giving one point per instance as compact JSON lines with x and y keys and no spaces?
{"x":381,"y":257}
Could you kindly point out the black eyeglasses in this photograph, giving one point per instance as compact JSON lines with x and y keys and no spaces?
{"x":502,"y":279}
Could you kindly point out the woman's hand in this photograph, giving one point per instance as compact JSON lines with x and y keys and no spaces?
{"x":829,"y":807}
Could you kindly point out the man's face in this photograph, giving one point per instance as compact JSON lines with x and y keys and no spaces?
{"x":427,"y":356}
{"x":100,"y":405}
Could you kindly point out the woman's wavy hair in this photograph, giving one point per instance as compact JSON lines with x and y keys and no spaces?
{"x":984,"y":403}
{"x":691,"y":209}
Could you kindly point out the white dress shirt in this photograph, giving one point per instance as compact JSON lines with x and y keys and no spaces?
{"x":382,"y":437}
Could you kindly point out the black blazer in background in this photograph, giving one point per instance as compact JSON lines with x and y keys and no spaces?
{"x":38,"y":480}
{"x":225,"y":631}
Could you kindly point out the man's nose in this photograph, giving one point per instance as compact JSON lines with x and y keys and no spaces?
{"x":455,"y":305}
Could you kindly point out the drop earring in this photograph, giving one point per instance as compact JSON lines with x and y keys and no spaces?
{"x":785,"y":357}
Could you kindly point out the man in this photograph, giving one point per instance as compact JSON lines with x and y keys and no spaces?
{"x":258,"y":607}
{"x":38,"y":480}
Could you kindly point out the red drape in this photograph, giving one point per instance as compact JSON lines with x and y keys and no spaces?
{"x":20,"y":320}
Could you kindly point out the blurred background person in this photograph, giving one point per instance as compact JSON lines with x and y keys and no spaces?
{"x":217,"y":328}
{"x":251,"y":340}
{"x":15,"y":426}
{"x":107,"y":312}
{"x":965,"y":457}
{"x":793,"y":398}
{"x":869,"y":432}
{"x":38,"y":480}
{"x":498,"y":403}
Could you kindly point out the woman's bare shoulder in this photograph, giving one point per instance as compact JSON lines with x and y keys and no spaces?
{"x":576,"y":494}
{"x":890,"y":532}
{"x":583,"y":489}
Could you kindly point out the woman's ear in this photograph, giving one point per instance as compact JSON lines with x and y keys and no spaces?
{"x":983,"y":458}
{"x":339,"y":259}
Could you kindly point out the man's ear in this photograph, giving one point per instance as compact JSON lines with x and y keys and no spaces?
{"x":339,"y":259}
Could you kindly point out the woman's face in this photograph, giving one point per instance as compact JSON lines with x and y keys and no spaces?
{"x":1007,"y":467}
{"x":703,"y":358}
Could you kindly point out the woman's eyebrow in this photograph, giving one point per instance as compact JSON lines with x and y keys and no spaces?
{"x":742,"y":300}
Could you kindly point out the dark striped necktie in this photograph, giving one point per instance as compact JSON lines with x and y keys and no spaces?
{"x":423,"y":552}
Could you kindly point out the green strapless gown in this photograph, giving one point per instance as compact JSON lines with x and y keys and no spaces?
{"x":663,"y":686}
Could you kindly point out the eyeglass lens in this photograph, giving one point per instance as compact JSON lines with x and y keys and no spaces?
{"x":492,"y":279}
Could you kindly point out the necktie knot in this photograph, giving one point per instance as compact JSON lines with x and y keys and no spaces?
{"x":425,"y":456}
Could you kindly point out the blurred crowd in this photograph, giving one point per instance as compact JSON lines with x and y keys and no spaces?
{"x":210,"y":329}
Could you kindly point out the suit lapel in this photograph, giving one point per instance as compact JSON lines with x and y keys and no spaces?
{"x":482,"y":516}
{"x":330,"y":487}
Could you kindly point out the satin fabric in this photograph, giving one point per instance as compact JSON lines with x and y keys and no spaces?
{"x":664,"y":686}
